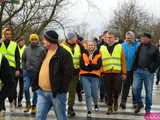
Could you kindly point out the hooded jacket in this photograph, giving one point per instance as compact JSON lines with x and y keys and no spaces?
{"x":32,"y":58}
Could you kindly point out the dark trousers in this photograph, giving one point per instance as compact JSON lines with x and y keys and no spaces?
{"x":102,"y":90}
{"x":20,"y":91}
{"x":72,"y":90}
{"x":79,"y":89}
{"x":113,"y":85}
{"x":126,"y":86}
{"x":13,"y":90}
{"x":158,"y":75}
{"x":6,"y":92}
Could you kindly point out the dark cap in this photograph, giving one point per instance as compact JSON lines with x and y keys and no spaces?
{"x":51,"y":36}
{"x":71,"y":35}
{"x":148,"y":35}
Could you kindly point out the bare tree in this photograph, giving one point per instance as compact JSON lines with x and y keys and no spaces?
{"x":32,"y":15}
{"x":129,"y":17}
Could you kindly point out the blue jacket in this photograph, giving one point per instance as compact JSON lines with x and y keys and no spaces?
{"x":130,"y":53}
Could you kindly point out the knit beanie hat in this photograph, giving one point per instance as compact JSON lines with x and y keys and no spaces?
{"x":51,"y":36}
{"x":33,"y":36}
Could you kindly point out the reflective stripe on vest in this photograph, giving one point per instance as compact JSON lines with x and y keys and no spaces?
{"x":111,"y":62}
{"x":76,"y":56}
{"x":87,"y":61}
{"x":9,"y":53}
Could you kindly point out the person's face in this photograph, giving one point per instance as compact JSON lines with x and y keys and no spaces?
{"x":145,"y":40}
{"x":91,"y":46}
{"x":34,"y":40}
{"x":21,"y":43}
{"x":129,"y":38}
{"x":105,"y":38}
{"x":8,"y":35}
{"x":46,"y":43}
{"x":109,"y":38}
{"x":73,"y":40}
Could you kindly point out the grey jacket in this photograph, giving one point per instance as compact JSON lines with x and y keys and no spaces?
{"x":32,"y":58}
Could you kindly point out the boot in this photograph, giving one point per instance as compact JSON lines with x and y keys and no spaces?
{"x":19,"y":104}
{"x":71,"y":112}
{"x":28,"y":107}
{"x":33,"y":109}
{"x":116,"y":106}
{"x":109,"y":110}
{"x":80,"y":98}
{"x":123,"y":105}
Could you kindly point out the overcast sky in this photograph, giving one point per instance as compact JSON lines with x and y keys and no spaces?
{"x":96,"y":18}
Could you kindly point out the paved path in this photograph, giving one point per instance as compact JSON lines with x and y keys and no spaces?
{"x":80,"y":109}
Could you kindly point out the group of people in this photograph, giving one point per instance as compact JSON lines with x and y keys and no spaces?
{"x":57,"y":71}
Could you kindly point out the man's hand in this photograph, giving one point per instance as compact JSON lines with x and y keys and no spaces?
{"x":124,"y":77}
{"x":17,"y":73}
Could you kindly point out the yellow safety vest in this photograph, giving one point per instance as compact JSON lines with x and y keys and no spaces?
{"x":111,"y":62}
{"x":76,"y":56}
{"x":21,"y":50}
{"x":9,"y":52}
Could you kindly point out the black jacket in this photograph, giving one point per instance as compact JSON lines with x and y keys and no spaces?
{"x":5,"y":72}
{"x":152,"y":58}
{"x":6,"y":77}
{"x":60,"y":71}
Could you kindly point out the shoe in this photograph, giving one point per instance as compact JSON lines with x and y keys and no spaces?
{"x":12,"y":107}
{"x":138,"y":108}
{"x":28,"y":107}
{"x":2,"y":111}
{"x":123,"y":105}
{"x":147,"y":110}
{"x":109,"y":110}
{"x":89,"y":114}
{"x":33,"y":109}
{"x":116,"y":106}
{"x":19,"y":104}
{"x":71,"y":112}
{"x":96,"y":108}
{"x":80,"y":98}
{"x":157,"y":82}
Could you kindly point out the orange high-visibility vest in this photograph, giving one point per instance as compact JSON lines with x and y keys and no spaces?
{"x":87,"y":62}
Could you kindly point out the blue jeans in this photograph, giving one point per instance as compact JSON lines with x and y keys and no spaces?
{"x":46,"y":101}
{"x":90,"y":86}
{"x":28,"y":78}
{"x":139,"y":77}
